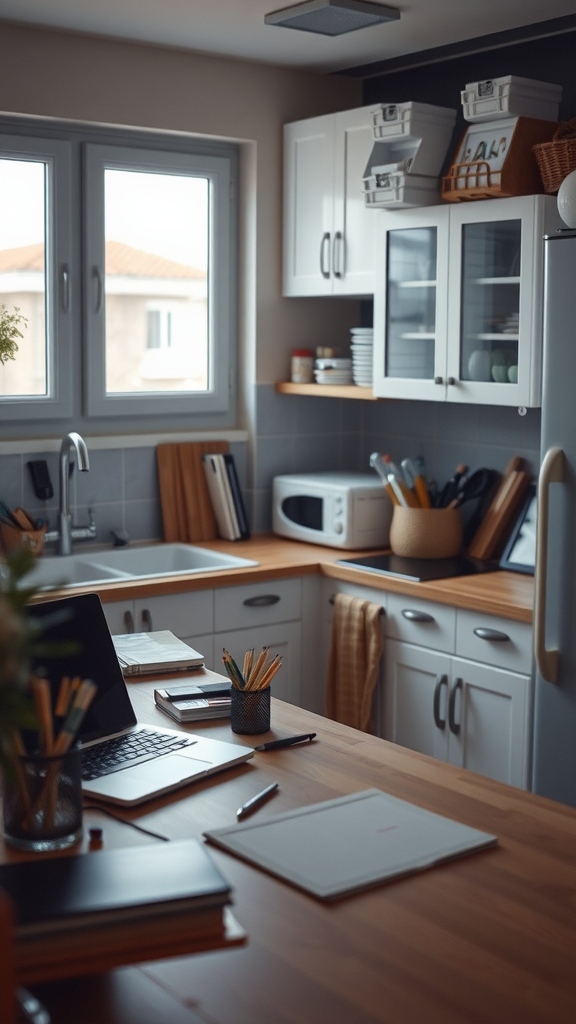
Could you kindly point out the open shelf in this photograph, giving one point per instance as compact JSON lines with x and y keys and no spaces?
{"x":328,"y":391}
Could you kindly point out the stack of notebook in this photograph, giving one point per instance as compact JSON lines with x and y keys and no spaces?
{"x":98,"y":910}
{"x":226,"y":496}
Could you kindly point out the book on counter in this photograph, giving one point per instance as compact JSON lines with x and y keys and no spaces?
{"x":91,"y":912}
{"x":110,"y":886}
{"x":158,"y":651}
{"x":192,"y":703}
{"x":226,"y":496}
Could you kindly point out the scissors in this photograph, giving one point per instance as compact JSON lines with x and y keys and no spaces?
{"x":475,"y":486}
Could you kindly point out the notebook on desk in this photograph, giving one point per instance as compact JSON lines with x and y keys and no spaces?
{"x":122,"y":762}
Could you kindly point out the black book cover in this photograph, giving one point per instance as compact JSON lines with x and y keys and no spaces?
{"x":60,"y":893}
{"x":237,"y":497}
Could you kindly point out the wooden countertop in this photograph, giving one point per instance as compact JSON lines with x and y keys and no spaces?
{"x":507,"y":594}
{"x":485,"y":939}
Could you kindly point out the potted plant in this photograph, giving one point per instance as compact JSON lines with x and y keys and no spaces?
{"x":10,"y":324}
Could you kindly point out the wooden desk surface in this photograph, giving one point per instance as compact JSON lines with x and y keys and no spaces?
{"x":485,"y":939}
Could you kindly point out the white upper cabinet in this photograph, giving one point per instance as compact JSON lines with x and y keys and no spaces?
{"x":329,"y":234}
{"x":458,"y":301}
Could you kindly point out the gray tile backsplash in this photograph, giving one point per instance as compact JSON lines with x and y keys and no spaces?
{"x":293,"y":434}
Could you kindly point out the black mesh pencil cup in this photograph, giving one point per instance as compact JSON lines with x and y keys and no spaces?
{"x":250,"y":711}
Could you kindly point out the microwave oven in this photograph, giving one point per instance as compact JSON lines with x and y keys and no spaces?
{"x":342,"y":510}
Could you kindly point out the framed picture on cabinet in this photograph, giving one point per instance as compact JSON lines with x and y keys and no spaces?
{"x":520,"y":552}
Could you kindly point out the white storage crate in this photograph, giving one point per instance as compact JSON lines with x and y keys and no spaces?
{"x":417,"y":132}
{"x":398,"y":189}
{"x":511,"y":96}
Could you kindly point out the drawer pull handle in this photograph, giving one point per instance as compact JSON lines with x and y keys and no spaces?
{"x":262,"y":601}
{"x":129,"y":622}
{"x":490,"y":634}
{"x":452,"y":723}
{"x":147,"y":620}
{"x":414,"y":616}
{"x":441,"y":680}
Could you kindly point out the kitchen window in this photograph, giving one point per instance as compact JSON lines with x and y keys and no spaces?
{"x":121,"y":256}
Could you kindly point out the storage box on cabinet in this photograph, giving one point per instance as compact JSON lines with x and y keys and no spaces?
{"x":494,"y":641}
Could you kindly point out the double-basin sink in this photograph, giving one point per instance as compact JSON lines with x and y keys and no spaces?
{"x":138,"y":563}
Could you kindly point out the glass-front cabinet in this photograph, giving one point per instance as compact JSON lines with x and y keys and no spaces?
{"x":458,"y":303}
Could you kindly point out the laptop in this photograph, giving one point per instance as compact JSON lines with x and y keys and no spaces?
{"x":122,"y":762}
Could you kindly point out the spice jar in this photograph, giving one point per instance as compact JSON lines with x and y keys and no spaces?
{"x":302,"y":366}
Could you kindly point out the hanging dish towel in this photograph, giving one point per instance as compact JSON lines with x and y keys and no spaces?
{"x":355,"y":652}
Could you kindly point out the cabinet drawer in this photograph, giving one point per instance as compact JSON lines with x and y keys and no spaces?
{"x":421,"y":622}
{"x":501,"y":642}
{"x":257,"y":604}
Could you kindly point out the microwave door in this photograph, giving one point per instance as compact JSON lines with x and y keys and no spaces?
{"x":304,"y":510}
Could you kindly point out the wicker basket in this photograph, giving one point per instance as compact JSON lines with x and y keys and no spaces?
{"x":556,"y":159}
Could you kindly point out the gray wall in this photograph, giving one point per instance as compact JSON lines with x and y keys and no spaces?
{"x":121,"y":488}
{"x":297,"y":434}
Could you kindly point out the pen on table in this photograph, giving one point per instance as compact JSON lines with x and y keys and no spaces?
{"x":287,"y":742}
{"x":255,"y":802}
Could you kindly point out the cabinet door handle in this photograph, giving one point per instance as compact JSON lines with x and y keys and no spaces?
{"x":552,"y":472}
{"x":146,"y":620}
{"x":441,"y":680}
{"x":129,"y":622}
{"x":452,"y":723}
{"x":325,"y":239}
{"x":96,"y":274}
{"x":438,"y":380}
{"x":490,"y":634}
{"x":262,"y":601}
{"x":415,"y":616}
{"x":337,"y":253}
{"x":452,"y":380}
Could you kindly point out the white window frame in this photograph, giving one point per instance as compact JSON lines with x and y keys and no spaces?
{"x":98,"y":158}
{"x":57,"y":402}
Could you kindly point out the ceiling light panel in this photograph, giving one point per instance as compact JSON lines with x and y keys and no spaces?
{"x":332,"y":17}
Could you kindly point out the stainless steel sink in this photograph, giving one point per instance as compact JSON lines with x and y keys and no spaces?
{"x":130,"y":563}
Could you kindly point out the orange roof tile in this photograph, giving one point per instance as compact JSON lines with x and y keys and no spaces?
{"x":121,"y":261}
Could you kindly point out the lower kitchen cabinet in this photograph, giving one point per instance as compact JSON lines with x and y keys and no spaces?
{"x":237,"y":618}
{"x":455,"y":684}
{"x":472,"y":715}
{"x":189,"y":616}
{"x":283,"y":638}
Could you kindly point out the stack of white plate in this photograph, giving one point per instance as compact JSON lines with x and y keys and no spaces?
{"x":362,"y":345}
{"x":333,"y":371}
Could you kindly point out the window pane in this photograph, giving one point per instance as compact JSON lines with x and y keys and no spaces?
{"x":156,"y":282}
{"x":23,"y":272}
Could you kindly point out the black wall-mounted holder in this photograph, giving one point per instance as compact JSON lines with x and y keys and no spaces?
{"x":41,"y":481}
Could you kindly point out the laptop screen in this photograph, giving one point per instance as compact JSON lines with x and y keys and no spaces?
{"x":81,"y":619}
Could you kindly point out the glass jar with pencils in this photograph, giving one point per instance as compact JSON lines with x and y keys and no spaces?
{"x":250,"y":691}
{"x":42,"y":802}
{"x":39,"y":722}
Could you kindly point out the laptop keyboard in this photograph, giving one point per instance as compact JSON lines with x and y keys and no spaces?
{"x":124,"y":751}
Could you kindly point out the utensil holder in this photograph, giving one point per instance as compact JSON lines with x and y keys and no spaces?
{"x":42,"y":802}
{"x":12,"y":538}
{"x":426,"y":532}
{"x":250,"y":711}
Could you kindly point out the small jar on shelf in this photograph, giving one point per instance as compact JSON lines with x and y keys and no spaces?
{"x":302,"y":366}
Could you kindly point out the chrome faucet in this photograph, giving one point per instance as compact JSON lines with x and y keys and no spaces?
{"x":66,"y":532}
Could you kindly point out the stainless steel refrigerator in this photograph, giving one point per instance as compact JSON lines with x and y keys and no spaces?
{"x":554,"y":737}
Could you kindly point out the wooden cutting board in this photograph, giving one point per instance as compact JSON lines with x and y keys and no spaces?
{"x":187,"y":513}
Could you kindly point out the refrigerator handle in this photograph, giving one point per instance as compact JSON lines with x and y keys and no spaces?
{"x":551,"y":472}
